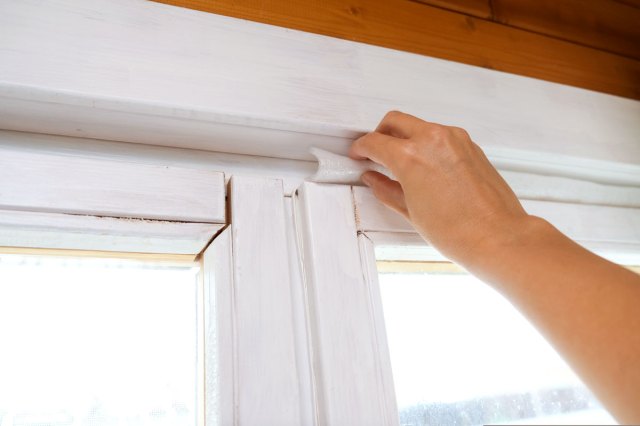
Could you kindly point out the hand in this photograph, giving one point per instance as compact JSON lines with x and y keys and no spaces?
{"x":446,"y":185}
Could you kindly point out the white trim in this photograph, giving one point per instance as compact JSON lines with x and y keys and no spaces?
{"x":59,"y":184}
{"x":600,"y":228}
{"x":308,"y":408}
{"x":370,"y":271}
{"x":230,"y":92}
{"x":62,"y":231}
{"x":292,"y":172}
{"x":265,"y":352}
{"x":219,"y":370}
{"x":348,"y":359}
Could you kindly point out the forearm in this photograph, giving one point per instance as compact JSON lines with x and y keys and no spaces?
{"x":586,"y":306}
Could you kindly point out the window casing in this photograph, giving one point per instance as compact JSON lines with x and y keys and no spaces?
{"x":294,"y":326}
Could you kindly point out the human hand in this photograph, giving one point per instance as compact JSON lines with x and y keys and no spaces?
{"x":446,"y":185}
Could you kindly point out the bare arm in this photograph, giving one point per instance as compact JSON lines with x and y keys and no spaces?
{"x":586,"y":306}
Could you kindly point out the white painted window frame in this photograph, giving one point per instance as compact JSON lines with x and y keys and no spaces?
{"x":131,"y":150}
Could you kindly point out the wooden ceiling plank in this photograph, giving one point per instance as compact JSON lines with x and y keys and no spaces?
{"x":426,"y":30}
{"x":603,"y":24}
{"x":477,"y":8}
{"x":633,"y":3}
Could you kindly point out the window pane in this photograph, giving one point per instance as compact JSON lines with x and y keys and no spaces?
{"x":96,"y":342}
{"x":462,"y":355}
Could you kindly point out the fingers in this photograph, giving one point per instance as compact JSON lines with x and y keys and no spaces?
{"x":376,"y":147}
{"x":388,"y":191}
{"x":399,"y":124}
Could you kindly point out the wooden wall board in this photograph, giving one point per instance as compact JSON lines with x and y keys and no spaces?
{"x":477,"y":8}
{"x":634,"y":3}
{"x":418,"y":28}
{"x":603,"y":24}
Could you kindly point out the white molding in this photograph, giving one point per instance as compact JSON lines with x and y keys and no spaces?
{"x":292,"y":172}
{"x":249,"y":88}
{"x":350,"y":385}
{"x":78,"y":232}
{"x":309,"y":410}
{"x":531,"y":186}
{"x":370,"y":272}
{"x":85,"y":186}
{"x":599,"y":228}
{"x":219,"y":369}
{"x":268,"y":386}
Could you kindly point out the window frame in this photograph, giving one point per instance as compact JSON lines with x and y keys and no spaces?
{"x":228,"y":104}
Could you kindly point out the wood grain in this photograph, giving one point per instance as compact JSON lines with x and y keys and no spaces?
{"x":349,"y":360}
{"x":477,"y":8}
{"x":422,"y":29}
{"x":604,"y":24}
{"x":88,"y":186}
{"x":267,"y":384}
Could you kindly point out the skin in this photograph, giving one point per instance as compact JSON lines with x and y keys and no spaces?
{"x":586,"y":306}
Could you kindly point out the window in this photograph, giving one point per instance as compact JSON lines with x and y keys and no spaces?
{"x":461,"y":354}
{"x":90,"y":341}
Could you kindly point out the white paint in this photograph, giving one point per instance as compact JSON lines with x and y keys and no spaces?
{"x":308,"y":407}
{"x":268,"y":387}
{"x":339,"y":169}
{"x":292,"y":172}
{"x":220,"y":386}
{"x":143,"y":72}
{"x":63,"y":231}
{"x":351,"y":387}
{"x":596,"y":227}
{"x":84,"y":186}
{"x":370,"y":271}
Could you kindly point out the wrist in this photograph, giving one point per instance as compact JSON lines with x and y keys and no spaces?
{"x":505,"y":238}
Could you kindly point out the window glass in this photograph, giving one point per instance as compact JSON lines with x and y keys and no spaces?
{"x":96,"y":342}
{"x":461,"y":354}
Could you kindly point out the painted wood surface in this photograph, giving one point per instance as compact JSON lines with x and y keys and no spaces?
{"x":85,"y":186}
{"x":291,"y":172}
{"x":308,"y":408}
{"x":221,"y":391}
{"x":419,"y":28}
{"x":82,"y":232}
{"x":370,"y":273}
{"x":596,"y":227}
{"x":347,"y":366}
{"x":248,"y":88}
{"x":267,"y":378}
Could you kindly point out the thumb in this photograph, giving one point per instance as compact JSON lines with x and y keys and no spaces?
{"x":388,"y":191}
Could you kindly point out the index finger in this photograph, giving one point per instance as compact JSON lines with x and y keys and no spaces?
{"x":399,"y":124}
{"x":376,"y":147}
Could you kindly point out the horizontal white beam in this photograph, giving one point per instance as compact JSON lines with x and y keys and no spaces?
{"x":291,"y":172}
{"x":179,"y":77}
{"x":63,"y":231}
{"x":40,"y":182}
{"x":597,"y":227}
